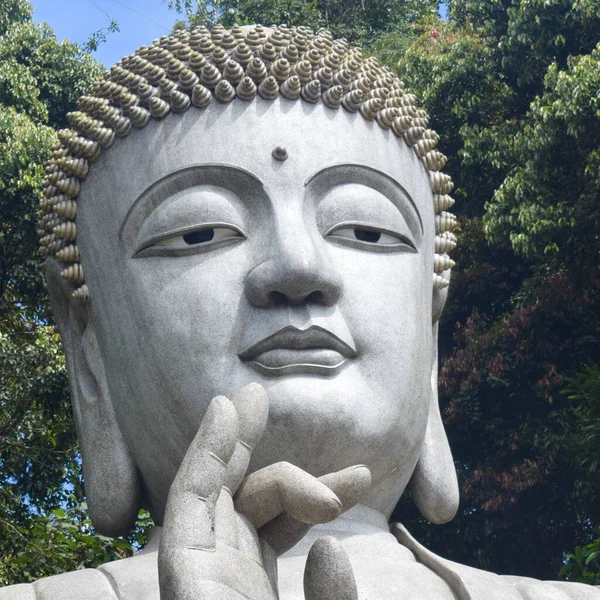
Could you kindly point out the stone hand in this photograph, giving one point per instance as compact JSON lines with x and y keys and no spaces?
{"x":221,"y":545}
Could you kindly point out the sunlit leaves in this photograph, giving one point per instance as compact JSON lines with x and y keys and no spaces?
{"x":357,"y":20}
{"x":512,"y":88}
{"x":549,"y":202}
{"x":43,"y":525}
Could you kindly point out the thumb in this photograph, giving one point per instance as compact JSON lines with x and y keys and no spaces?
{"x":328,"y":574}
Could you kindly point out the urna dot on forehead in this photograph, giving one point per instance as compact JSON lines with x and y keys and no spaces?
{"x":189,"y":71}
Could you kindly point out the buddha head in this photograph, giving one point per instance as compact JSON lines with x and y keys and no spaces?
{"x":251,"y":205}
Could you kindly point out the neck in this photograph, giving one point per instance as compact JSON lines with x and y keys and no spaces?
{"x":359,"y":520}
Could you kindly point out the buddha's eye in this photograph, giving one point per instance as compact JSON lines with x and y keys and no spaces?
{"x":366,"y":237}
{"x":371,"y":236}
{"x":201,"y":236}
{"x":190,"y":240}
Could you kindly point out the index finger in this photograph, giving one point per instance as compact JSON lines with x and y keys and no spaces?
{"x":349,"y":485}
{"x":190,"y":505}
{"x":252,"y":406}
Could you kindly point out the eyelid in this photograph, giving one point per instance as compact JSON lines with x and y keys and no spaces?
{"x":228,"y":177}
{"x":347,"y":224}
{"x":183,"y":231}
{"x":338,"y":174}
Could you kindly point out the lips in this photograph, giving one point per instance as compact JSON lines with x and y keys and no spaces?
{"x":290,"y":350}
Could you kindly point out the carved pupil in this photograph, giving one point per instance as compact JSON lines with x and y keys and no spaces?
{"x":197,"y":237}
{"x":366,"y":235}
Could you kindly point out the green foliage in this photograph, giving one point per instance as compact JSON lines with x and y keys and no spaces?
{"x":24,"y":146}
{"x":61,"y":71}
{"x":34,"y":457}
{"x":40,"y":80}
{"x":43,"y":525}
{"x":532,"y":34}
{"x":584,"y":391}
{"x":455,"y":75}
{"x":512,"y":87}
{"x":14,"y":11}
{"x":101,"y":35}
{"x":61,"y":540}
{"x":549,"y":202}
{"x":357,"y":20}
{"x":584,"y":564}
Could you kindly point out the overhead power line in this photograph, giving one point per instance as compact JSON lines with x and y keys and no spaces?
{"x":137,"y":12}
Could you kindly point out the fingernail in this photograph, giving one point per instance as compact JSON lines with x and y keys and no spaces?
{"x":220,"y":400}
{"x":336,"y":500}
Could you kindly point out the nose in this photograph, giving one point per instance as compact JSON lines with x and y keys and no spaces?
{"x":298,"y":273}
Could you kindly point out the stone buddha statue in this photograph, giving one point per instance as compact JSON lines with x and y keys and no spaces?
{"x":247,"y":245}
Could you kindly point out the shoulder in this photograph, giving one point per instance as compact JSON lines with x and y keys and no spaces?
{"x":128,"y":579}
{"x":561,"y":590}
{"x":90,"y":584}
{"x":469,"y":583}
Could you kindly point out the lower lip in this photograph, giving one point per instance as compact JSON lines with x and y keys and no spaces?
{"x":311,"y":361}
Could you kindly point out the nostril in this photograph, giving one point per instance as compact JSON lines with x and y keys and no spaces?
{"x":277,"y":299}
{"x":315,"y":298}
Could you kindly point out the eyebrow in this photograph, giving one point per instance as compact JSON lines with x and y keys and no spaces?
{"x":334,"y":169}
{"x":182,"y":179}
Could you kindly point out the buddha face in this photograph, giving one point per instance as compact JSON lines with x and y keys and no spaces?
{"x":213,"y":263}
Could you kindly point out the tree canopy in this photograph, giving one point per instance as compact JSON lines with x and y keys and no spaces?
{"x":517,"y":109}
{"x":44,"y":528}
{"x":357,"y":20}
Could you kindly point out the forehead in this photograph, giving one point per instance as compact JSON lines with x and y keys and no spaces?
{"x":243,"y":135}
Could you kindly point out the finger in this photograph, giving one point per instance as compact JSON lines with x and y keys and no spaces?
{"x":349,"y":485}
{"x":226,"y":521}
{"x":190,"y":505}
{"x":203,"y":467}
{"x":283,"y":487}
{"x":252,"y":406}
{"x":328,"y":574}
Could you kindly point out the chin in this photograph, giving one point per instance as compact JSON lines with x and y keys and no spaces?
{"x":326,"y":424}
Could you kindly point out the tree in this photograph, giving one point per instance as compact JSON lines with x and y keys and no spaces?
{"x":357,"y":20}
{"x":584,"y":389}
{"x":517,"y":109}
{"x":548,"y":204}
{"x":43,"y":526}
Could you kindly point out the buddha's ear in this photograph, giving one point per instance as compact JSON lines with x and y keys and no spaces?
{"x":112,"y":482}
{"x":434,"y":486}
{"x":440,"y":296}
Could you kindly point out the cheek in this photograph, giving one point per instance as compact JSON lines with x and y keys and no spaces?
{"x":387,"y":297}
{"x":179,"y":317}
{"x":387,"y":304}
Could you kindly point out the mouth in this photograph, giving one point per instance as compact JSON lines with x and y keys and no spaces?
{"x":291,"y":351}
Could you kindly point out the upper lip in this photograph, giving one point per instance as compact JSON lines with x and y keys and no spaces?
{"x":292,"y":338}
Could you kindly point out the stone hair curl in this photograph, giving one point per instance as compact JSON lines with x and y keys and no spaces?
{"x":192,"y":68}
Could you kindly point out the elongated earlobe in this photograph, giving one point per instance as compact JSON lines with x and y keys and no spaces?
{"x":112,"y":482}
{"x":434,"y":486}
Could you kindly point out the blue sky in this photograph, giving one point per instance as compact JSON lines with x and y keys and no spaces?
{"x":140,"y":21}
